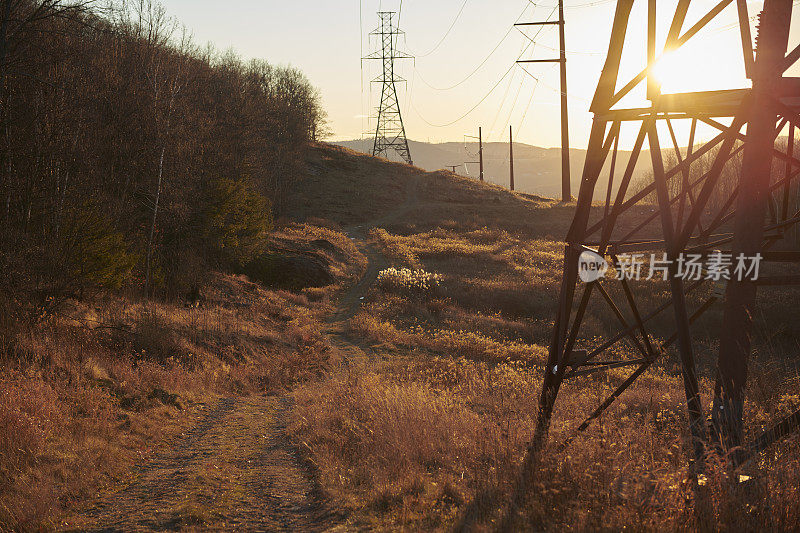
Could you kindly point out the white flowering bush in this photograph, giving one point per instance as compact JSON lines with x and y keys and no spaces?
{"x":406,"y":280}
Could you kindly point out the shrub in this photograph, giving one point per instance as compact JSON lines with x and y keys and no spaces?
{"x":154,"y":338}
{"x":93,"y":252}
{"x":405,"y":280}
{"x":87,"y":252}
{"x":236,"y":220}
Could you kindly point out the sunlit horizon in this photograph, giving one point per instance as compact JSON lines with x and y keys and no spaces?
{"x":455,"y":71}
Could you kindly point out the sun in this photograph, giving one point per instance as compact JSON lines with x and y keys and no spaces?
{"x":702,"y":65}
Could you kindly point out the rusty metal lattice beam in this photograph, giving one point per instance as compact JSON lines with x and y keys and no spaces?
{"x":690,"y":220}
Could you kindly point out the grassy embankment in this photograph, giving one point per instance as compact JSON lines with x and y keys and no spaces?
{"x":410,"y":440}
{"x":97,"y":387}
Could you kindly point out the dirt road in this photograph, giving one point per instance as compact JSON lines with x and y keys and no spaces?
{"x":236,"y":469}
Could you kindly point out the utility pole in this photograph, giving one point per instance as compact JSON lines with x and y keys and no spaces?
{"x":511,"y":155}
{"x":480,"y":149}
{"x":566,"y":188}
{"x":390,"y":133}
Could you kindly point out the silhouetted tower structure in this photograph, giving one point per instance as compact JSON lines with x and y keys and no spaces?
{"x":390,"y":133}
{"x":750,"y":219}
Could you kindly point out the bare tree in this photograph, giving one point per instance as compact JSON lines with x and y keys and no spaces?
{"x":112,"y":125}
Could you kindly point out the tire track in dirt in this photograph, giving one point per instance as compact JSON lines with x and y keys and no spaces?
{"x":353,"y":349}
{"x":349,"y":302}
{"x":236,"y":468}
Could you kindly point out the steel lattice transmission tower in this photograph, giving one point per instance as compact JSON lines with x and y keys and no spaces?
{"x":390,"y":133}
{"x":740,"y":202}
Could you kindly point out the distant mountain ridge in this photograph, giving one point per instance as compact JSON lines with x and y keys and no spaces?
{"x":537,"y":170}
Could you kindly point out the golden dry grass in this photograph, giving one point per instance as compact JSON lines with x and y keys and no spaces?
{"x":432,"y":431}
{"x":88,"y":392}
{"x":436,"y":431}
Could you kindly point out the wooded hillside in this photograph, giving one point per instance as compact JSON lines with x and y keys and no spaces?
{"x":129,"y":156}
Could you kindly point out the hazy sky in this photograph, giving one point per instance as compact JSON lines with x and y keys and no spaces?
{"x":326,"y":39}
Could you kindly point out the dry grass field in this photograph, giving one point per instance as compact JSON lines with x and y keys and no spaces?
{"x":105,"y":383}
{"x":429,"y":436}
{"x":410,"y":383}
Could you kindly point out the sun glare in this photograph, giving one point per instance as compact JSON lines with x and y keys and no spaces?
{"x":699,"y":67}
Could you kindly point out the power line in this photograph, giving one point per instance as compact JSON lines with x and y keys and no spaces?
{"x":527,"y":108}
{"x":482,"y":63}
{"x":514,"y":104}
{"x":574,"y":52}
{"x":447,"y":33}
{"x":532,"y":42}
{"x":502,"y":104}
{"x":469,"y":76}
{"x":576,"y":6}
{"x":554,"y":89}
{"x":410,"y":89}
{"x":465,"y":115}
{"x":535,"y":4}
{"x":525,"y":114}
{"x":523,"y":49}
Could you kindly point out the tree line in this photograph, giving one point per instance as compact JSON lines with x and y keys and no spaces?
{"x":131,"y":157}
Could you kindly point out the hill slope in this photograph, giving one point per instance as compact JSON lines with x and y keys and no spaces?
{"x":427,"y":429}
{"x":348,"y":187}
{"x":399,"y":396}
{"x":537,"y":170}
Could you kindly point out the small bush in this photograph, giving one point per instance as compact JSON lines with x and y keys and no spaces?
{"x":407,"y":281}
{"x":236,"y":220}
{"x":155,"y":339}
{"x":395,"y":247}
{"x":93,"y":251}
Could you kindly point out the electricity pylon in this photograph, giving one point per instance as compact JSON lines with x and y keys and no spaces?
{"x":674,"y":216}
{"x":390,"y":133}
